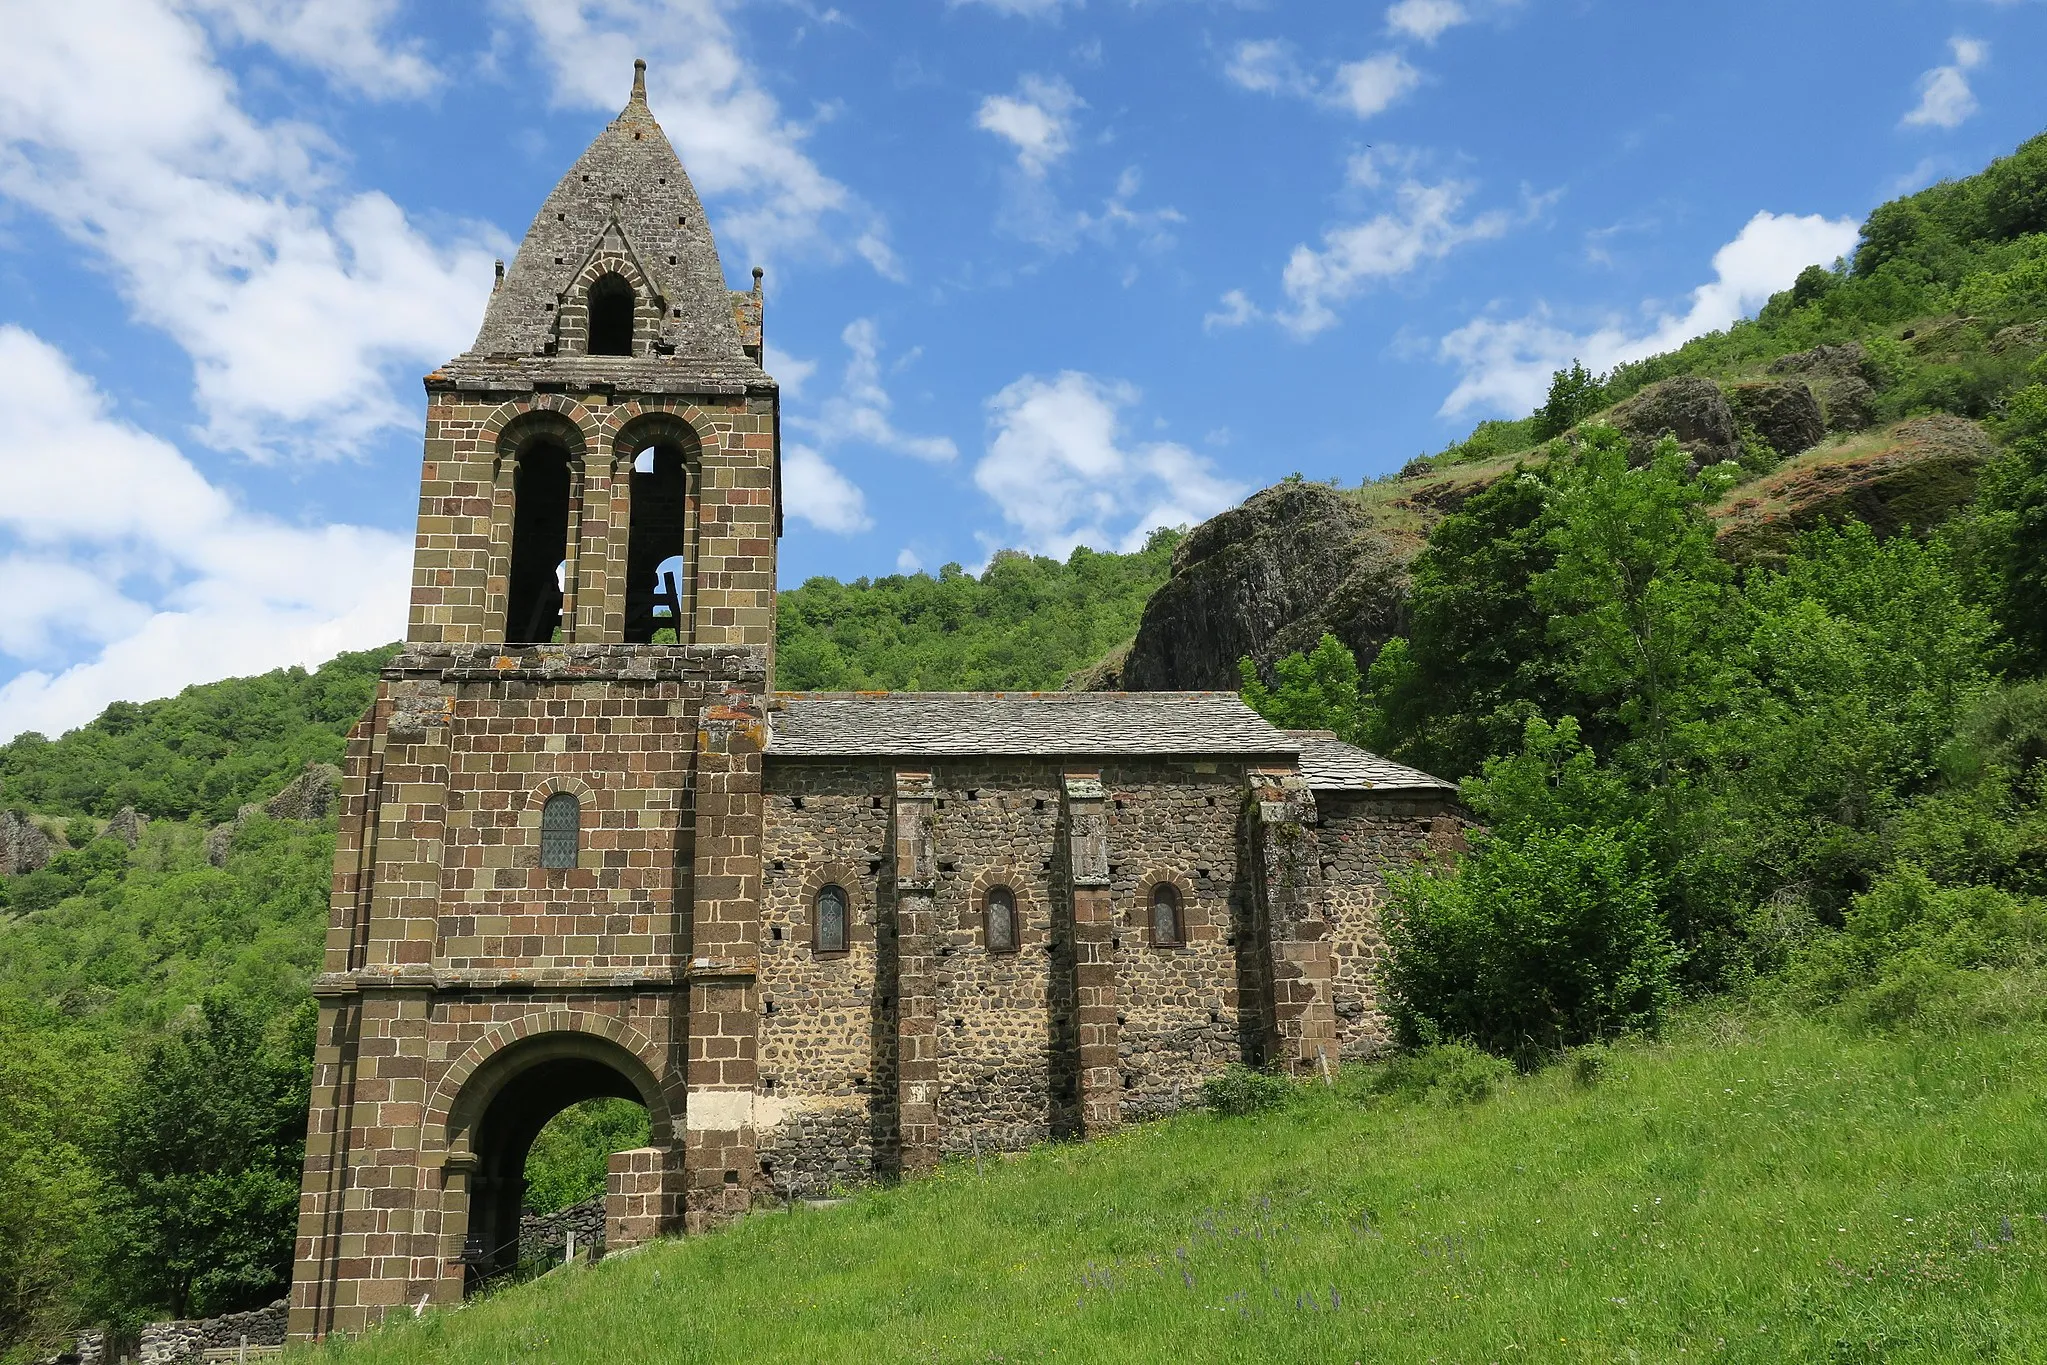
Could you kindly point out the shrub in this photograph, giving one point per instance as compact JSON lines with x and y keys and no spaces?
{"x":1458,"y":1072}
{"x":1238,"y":1090}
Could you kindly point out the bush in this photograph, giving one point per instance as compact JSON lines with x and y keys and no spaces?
{"x":1238,"y":1090}
{"x":1457,"y":1072}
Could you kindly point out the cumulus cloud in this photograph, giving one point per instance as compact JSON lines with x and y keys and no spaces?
{"x":858,"y":413}
{"x":1270,"y":66}
{"x":1945,"y":99}
{"x":1506,"y":363}
{"x":1037,"y":120}
{"x":344,"y":39}
{"x":1425,"y":20}
{"x":297,"y":305}
{"x":1425,"y":224}
{"x":1065,"y":472}
{"x":728,"y":129}
{"x":111,"y":540}
{"x":1234,"y":310}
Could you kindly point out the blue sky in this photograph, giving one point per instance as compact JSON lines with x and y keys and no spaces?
{"x":1040,"y":272}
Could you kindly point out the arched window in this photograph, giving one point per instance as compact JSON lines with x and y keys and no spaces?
{"x":540,"y":544}
{"x":655,"y":570}
{"x":611,"y":315}
{"x":1000,"y":932}
{"x":831,"y":919}
{"x":1166,"y":929}
{"x":561,"y":830}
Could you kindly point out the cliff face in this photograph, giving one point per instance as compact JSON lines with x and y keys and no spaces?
{"x":1268,"y":578}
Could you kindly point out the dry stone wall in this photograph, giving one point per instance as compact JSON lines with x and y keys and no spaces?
{"x":175,"y":1343}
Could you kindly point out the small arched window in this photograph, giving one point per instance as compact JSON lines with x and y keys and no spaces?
{"x":1000,"y":929}
{"x":611,"y":315}
{"x":561,"y":830}
{"x":831,"y":919}
{"x":1166,"y":929}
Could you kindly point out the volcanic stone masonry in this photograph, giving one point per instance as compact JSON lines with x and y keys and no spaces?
{"x":586,"y":850}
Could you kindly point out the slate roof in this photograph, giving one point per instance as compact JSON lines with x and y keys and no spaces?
{"x":1019,"y":724}
{"x":1331,"y":765}
{"x":629,"y":176}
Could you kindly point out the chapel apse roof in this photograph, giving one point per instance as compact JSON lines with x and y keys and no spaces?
{"x":630,"y":185}
{"x":1331,"y":765}
{"x":1019,"y":724}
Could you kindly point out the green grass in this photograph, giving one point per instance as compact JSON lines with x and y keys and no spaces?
{"x":1752,"y":1189}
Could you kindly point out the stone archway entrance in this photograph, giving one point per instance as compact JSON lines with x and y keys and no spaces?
{"x":502,"y":1108}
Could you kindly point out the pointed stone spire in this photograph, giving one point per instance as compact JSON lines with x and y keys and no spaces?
{"x":626,"y":198}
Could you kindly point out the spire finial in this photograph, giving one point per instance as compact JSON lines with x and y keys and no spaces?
{"x":640,"y":79}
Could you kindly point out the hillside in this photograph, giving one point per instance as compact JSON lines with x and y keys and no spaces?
{"x":1942,"y":311}
{"x":1756,"y":1189}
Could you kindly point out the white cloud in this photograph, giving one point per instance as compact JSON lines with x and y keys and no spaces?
{"x":1423,"y":226}
{"x":1367,"y":87}
{"x":297,"y":305}
{"x":1236,"y":310}
{"x":1269,"y":66}
{"x":1507,"y":363}
{"x":1945,"y":99}
{"x":859,"y":411}
{"x":343,"y":38}
{"x":814,"y":490}
{"x":1425,"y":20}
{"x":1037,"y":120}
{"x":789,"y":372}
{"x":907,"y":560}
{"x":1027,"y":9}
{"x":120,"y":542}
{"x":727,"y":127}
{"x":1061,"y":468}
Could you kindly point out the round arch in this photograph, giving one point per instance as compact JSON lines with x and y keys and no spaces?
{"x":487,"y":1110}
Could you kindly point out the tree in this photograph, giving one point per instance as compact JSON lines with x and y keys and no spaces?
{"x":201,"y":1157}
{"x":1574,"y":395}
{"x":1548,"y":933}
{"x":1475,"y":663}
{"x":2018,"y":490}
{"x":1315,"y":691}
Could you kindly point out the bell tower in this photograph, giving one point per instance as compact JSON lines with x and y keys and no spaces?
{"x":548,"y":865}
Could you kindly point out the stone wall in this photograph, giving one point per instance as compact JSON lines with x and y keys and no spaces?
{"x":1005,"y":1022}
{"x":173,"y":1343}
{"x":1360,"y":839}
{"x":545,"y":1235}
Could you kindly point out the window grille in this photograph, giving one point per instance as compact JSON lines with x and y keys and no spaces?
{"x":1001,"y":929}
{"x":831,"y":919}
{"x":561,"y":830}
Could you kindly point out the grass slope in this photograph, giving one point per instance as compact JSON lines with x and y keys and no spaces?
{"x":1752,"y":1189}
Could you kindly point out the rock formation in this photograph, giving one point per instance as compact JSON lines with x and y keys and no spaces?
{"x":309,"y":796}
{"x":23,"y":845}
{"x":1841,"y":380}
{"x":1690,"y":408}
{"x":1782,"y":412}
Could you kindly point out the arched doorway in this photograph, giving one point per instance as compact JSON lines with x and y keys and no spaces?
{"x":501,"y":1110}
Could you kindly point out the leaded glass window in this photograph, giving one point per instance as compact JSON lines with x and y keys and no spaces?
{"x":1001,"y":931}
{"x":561,"y":830}
{"x":1165,"y":916}
{"x":831,"y":919}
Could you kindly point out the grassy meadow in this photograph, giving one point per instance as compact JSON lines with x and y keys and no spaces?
{"x":1756,"y":1188}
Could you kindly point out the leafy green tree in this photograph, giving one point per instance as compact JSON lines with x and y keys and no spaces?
{"x":46,"y":1183}
{"x":201,"y":1155}
{"x":2018,"y":489}
{"x":1549,"y":932}
{"x":1636,"y":596}
{"x":1574,"y":395}
{"x":1474,"y":665}
{"x":1315,"y":691}
{"x":571,"y":1156}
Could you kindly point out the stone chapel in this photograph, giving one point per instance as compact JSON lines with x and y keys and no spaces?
{"x":586,"y":849}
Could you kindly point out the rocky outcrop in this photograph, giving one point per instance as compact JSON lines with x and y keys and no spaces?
{"x":1783,"y":412}
{"x":309,"y":796}
{"x":1693,"y":410}
{"x":1104,"y":675}
{"x":220,"y":840}
{"x":1909,"y":477}
{"x":23,"y":845}
{"x":1842,"y":380}
{"x":127,"y":826}
{"x":1269,"y":578}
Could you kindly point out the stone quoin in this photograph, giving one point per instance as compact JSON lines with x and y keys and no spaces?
{"x":586,"y":850}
